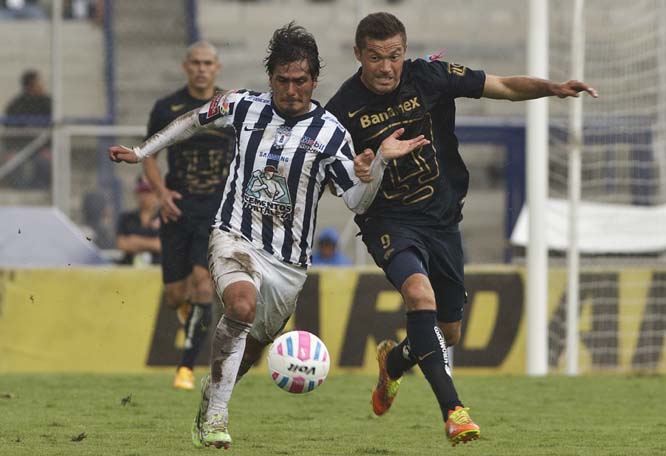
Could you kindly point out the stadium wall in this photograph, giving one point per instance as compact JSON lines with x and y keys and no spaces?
{"x":113,"y":320}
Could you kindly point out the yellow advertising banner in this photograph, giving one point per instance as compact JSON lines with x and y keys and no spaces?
{"x":114,"y":320}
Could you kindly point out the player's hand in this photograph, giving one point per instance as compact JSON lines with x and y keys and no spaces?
{"x":362,"y":165}
{"x":392,"y":147}
{"x":573,"y":88}
{"x":168,"y":209}
{"x":122,"y":154}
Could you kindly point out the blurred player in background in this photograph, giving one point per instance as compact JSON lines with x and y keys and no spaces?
{"x":261,"y":243}
{"x":411,"y":228}
{"x":189,"y":196}
{"x":138,"y":234}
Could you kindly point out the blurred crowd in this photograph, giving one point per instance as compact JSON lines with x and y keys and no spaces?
{"x":36,"y":9}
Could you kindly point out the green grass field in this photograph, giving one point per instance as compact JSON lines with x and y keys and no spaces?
{"x":48,"y":415}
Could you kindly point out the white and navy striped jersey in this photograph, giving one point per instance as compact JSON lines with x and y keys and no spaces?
{"x":281,"y":168}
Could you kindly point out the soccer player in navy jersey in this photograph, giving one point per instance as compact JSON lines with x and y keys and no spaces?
{"x":189,"y":196}
{"x":288,"y":150}
{"x":411,"y":228}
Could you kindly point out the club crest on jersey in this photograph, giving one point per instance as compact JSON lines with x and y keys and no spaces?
{"x":282,"y":135}
{"x":267,"y":193}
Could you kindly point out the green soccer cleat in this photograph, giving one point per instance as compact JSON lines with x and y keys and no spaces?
{"x":200,"y":418}
{"x":214,"y":432}
{"x":387,"y":388}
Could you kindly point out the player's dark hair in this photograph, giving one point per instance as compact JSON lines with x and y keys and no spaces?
{"x":379,"y":26}
{"x":292,"y":43}
{"x":28,"y":78}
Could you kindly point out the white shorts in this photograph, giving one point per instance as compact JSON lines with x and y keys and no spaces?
{"x":232,"y":258}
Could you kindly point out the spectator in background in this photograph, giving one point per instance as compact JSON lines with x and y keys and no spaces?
{"x":98,"y":220}
{"x":138,"y":234}
{"x":21,"y":9}
{"x":32,"y":101}
{"x":327,"y":253}
{"x":30,"y":108}
{"x":84,"y":9}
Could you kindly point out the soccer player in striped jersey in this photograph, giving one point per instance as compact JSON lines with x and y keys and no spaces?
{"x":288,"y":149}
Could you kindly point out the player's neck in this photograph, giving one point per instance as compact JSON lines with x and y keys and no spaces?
{"x":201,"y":94}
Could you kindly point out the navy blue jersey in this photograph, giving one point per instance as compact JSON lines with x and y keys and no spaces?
{"x":197,"y":167}
{"x":428,"y":186}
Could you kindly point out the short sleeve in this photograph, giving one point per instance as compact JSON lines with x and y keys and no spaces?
{"x":450,"y":79}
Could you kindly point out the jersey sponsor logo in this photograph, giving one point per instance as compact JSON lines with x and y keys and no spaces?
{"x":267,"y":193}
{"x":392,"y":111}
{"x":457,"y":69}
{"x":311,"y":145}
{"x":282,"y":135}
{"x":177,"y":107}
{"x":272,"y":156}
{"x":246,"y":128}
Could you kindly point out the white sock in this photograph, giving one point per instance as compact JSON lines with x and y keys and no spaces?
{"x":225,"y":358}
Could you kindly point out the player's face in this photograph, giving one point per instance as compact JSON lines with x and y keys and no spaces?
{"x":201,"y":67}
{"x":292,"y":87}
{"x":381,"y":63}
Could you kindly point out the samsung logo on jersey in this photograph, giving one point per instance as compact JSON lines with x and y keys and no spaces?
{"x":374,"y":119}
{"x":311,"y":145}
{"x":271,"y":156}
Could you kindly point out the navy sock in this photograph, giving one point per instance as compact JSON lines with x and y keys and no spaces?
{"x":429,"y":349}
{"x":196,"y":329}
{"x":400,"y":359}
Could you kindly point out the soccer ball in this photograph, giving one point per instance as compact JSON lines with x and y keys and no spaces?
{"x":298,"y":362}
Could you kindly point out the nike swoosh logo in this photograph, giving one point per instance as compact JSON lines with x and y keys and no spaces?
{"x":177,"y":107}
{"x":353,"y":113}
{"x":253,"y":129}
{"x":421,"y":358}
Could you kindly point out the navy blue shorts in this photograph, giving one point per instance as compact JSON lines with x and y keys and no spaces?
{"x":184,"y":244}
{"x":402,"y":250}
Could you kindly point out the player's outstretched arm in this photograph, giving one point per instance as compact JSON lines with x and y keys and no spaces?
{"x":179,"y":130}
{"x":520,"y":88}
{"x":359,"y":197}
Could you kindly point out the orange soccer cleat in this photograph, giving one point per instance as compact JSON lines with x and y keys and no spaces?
{"x":460,"y":427}
{"x":387,"y":388}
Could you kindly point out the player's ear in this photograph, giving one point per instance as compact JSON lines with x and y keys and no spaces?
{"x":357,"y":53}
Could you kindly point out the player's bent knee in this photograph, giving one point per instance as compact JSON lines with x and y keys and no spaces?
{"x":417,"y":293}
{"x":240,"y":301}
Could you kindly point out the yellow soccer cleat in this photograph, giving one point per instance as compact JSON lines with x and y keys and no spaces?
{"x":386,"y":388}
{"x":184,"y":379}
{"x":460,"y":427}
